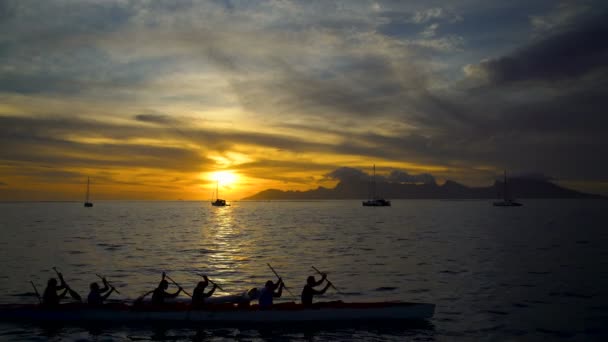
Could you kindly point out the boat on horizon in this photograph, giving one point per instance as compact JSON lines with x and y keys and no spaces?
{"x":375,"y":201}
{"x":87,"y":201}
{"x":219,"y":313}
{"x":507,"y":201}
{"x":218,"y":201}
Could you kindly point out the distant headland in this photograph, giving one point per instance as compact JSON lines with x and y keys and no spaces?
{"x":354,"y":184}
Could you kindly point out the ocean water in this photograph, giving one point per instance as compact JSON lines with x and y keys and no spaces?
{"x":537,"y":272}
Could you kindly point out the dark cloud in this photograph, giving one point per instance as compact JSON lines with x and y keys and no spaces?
{"x":573,"y":53}
{"x":46,"y":142}
{"x":540,"y":109}
{"x":348,"y":174}
{"x":156,"y":118}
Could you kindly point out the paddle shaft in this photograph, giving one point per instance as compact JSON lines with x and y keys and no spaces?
{"x":73,"y":293}
{"x":58,"y":273}
{"x":143,"y":296}
{"x":103,"y":278}
{"x":332,"y":285}
{"x":212,"y":282}
{"x":36,"y":290}
{"x":176,"y":284}
{"x":276,"y":274}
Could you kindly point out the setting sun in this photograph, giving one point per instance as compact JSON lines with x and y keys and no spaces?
{"x":225,"y":178}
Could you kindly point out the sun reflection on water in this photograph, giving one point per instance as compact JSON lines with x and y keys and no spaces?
{"x":223,"y":243}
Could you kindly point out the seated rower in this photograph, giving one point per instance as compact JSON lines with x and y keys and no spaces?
{"x":199,"y":295}
{"x":308,"y":292}
{"x":159,"y":294}
{"x":50,"y":296}
{"x":267,"y":294}
{"x":248,"y":296}
{"x":242,"y":300}
{"x":97,"y":295}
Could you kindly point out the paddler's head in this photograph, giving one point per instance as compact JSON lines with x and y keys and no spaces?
{"x":94,"y":287}
{"x":52,"y":282}
{"x":163,"y":284}
{"x":269,"y":284}
{"x":201,"y":284}
{"x":310,"y":280}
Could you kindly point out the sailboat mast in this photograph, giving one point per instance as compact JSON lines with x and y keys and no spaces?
{"x":374,"y":184}
{"x":504,"y":187}
{"x":88,"y":184}
{"x":217,"y":189}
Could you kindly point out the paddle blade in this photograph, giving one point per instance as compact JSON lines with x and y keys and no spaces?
{"x":74,"y":295}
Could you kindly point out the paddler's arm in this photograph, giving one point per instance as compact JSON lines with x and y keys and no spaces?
{"x":278,"y":294}
{"x":210,"y":293}
{"x":326,"y":287}
{"x":62,"y":284}
{"x":278,"y":283}
{"x":322,"y":291}
{"x":105,"y":296}
{"x":323,"y":277}
{"x":62,"y":295}
{"x":106,"y":287}
{"x":173,"y":295}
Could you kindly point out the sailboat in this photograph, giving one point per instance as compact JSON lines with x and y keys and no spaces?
{"x":218,"y":201}
{"x":87,"y":202}
{"x":507,"y":200}
{"x":375,"y":201}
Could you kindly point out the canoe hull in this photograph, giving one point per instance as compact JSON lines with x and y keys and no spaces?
{"x":295,"y":313}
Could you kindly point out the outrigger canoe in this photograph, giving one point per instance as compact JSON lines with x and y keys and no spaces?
{"x":179,"y":312}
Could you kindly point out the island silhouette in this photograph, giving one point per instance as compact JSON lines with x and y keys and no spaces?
{"x":426,"y":187}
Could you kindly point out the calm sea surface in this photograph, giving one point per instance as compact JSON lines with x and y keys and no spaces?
{"x":538,"y":272}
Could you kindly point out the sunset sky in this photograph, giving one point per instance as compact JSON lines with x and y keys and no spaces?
{"x":151,"y":98}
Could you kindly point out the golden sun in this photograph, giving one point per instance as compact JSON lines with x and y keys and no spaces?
{"x":225,"y":178}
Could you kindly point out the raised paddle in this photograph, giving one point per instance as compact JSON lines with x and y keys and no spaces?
{"x":107,"y":282}
{"x":176,"y":284}
{"x":276,"y":274}
{"x":72,"y":293}
{"x":331,"y":284}
{"x":36,"y":290}
{"x":211,"y":281}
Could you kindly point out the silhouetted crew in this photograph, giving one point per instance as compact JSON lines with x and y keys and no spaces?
{"x":247,"y":296}
{"x":159,"y":294}
{"x":267,"y":294}
{"x":50,"y":296}
{"x":97,"y":295}
{"x":308,"y":292}
{"x":199,"y":295}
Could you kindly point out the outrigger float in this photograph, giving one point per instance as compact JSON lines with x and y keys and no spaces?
{"x":220,"y":313}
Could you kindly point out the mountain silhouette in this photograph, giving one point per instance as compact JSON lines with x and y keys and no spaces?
{"x":358,"y":189}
